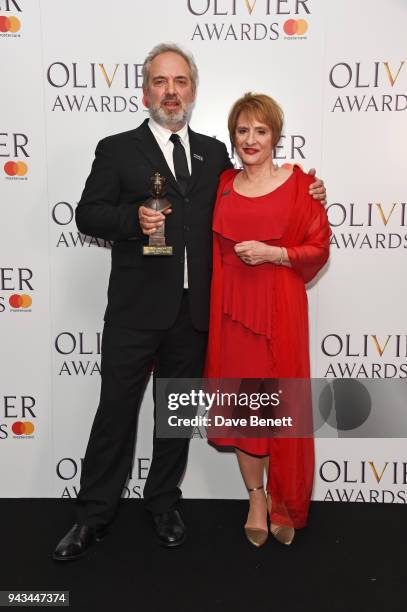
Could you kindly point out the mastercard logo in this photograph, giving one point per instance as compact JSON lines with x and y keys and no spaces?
{"x":20,"y":301}
{"x":15,"y":168}
{"x":296,"y":27}
{"x":21,"y":428}
{"x":9,"y":24}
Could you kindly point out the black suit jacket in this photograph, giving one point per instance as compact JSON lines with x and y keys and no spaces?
{"x":145,"y":291}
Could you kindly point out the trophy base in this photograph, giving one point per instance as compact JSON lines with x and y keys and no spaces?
{"x":157,"y":250}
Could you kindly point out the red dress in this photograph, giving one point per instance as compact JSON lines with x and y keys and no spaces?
{"x":259,"y":316}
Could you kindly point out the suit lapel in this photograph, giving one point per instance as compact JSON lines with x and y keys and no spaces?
{"x":148,"y":146}
{"x":198,"y":154}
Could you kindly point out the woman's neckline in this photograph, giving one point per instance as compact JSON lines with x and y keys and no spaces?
{"x":264,"y":194}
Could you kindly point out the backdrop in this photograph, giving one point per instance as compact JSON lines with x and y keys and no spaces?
{"x":71,"y":74}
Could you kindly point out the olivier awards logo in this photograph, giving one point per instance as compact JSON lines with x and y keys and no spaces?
{"x":94,"y":87}
{"x":63,"y":217}
{"x":368,"y":86}
{"x":364,"y":481}
{"x":10,"y":24}
{"x":291,"y":147}
{"x":17,"y":417}
{"x":365,"y":355}
{"x":368,"y":226}
{"x":238,"y":20}
{"x":14,"y":280}
{"x":69,"y":469}
{"x":14,"y":145}
{"x":78,"y":353}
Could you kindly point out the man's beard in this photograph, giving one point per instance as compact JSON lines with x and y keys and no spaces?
{"x":174,"y":118}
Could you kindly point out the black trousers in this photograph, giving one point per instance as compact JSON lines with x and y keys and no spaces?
{"x":127,"y":358}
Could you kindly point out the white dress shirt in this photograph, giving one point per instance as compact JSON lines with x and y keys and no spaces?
{"x":162,"y":136}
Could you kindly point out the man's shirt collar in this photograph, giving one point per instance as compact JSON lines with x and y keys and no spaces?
{"x":163,"y":134}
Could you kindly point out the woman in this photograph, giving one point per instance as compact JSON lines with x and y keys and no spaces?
{"x":270,"y":238}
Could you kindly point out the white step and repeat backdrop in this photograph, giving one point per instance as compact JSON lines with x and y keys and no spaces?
{"x":70,"y":74}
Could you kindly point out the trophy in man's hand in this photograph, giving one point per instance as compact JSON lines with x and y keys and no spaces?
{"x":156,"y":243}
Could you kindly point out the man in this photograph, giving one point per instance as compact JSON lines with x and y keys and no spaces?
{"x":157,"y":312}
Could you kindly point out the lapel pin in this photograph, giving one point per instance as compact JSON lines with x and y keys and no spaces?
{"x":198,"y":156}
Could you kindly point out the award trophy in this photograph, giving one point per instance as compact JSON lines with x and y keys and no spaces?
{"x":156,"y":242}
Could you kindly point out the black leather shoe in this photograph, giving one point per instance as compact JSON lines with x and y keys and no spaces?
{"x":169,"y":528}
{"x":76,"y":543}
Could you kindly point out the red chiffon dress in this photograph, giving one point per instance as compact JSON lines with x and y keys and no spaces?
{"x":259,"y":316}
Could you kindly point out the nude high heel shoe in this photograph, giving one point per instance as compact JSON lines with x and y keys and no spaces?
{"x":256,"y":535}
{"x":282,"y":533}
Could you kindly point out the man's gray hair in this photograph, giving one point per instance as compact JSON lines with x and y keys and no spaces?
{"x":173,"y":48}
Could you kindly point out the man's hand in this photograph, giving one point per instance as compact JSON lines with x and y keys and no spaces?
{"x":151,"y":220}
{"x":317,"y":189}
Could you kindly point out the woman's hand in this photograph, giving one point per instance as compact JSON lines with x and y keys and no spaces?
{"x":254,"y":253}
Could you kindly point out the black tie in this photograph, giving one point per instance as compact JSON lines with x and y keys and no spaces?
{"x":180,"y":162}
